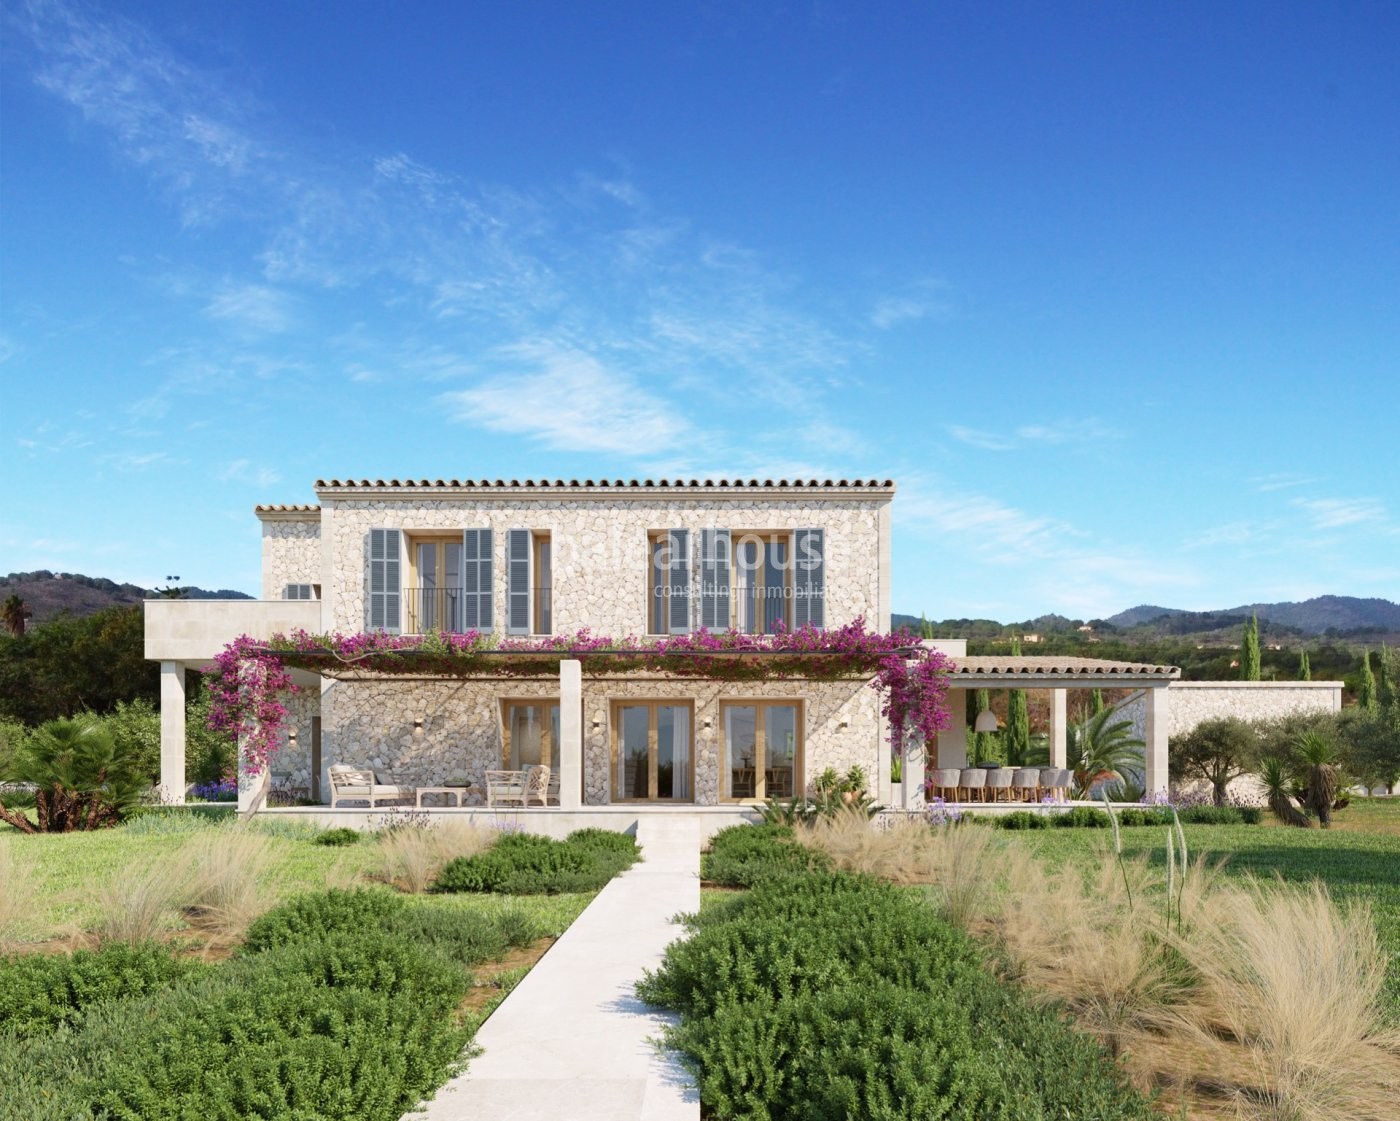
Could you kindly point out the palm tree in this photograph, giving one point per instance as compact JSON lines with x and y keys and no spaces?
{"x":1101,"y":748}
{"x":83,"y":780}
{"x":15,"y":614}
{"x":1278,"y":786}
{"x":1319,"y":760}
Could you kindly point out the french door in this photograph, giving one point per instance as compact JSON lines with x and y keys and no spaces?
{"x":652,"y":760}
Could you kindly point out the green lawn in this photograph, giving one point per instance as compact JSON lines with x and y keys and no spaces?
{"x":1358,"y":859}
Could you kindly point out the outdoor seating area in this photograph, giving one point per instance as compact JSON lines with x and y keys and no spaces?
{"x":360,"y":784}
{"x":999,"y":784}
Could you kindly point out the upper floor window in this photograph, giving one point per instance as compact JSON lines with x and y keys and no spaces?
{"x":755,"y":581}
{"x":302,"y":591}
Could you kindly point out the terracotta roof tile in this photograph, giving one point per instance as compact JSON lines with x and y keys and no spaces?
{"x":1050,"y":666}
{"x":600,"y":484}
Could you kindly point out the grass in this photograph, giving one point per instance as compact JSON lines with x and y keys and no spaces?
{"x":1357,"y":859}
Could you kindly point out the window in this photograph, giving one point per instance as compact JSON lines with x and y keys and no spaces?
{"x":529,"y":606}
{"x":302,"y":591}
{"x":544,"y":606}
{"x":756,"y":581}
{"x":762,"y":750}
{"x":651,"y":756}
{"x":435,"y":584}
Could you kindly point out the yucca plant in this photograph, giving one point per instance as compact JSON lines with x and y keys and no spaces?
{"x":1318,"y":759}
{"x":1278,"y":786}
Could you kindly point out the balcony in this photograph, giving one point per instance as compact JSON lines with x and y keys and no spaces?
{"x":440,"y":609}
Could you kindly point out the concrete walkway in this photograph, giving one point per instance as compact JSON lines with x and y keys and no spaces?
{"x":572,"y":1042}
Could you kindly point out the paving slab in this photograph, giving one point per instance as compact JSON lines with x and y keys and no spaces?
{"x":572,"y":1042}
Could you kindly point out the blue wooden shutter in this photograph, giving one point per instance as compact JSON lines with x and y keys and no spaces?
{"x":383,"y":612}
{"x":477,"y":547}
{"x":809,"y":578}
{"x":714,"y":579}
{"x":517,"y":581}
{"x":678,"y":582}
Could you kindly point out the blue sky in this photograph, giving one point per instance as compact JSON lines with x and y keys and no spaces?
{"x":1111,"y":291}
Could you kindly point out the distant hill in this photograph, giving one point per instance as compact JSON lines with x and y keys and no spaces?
{"x":51,"y":593}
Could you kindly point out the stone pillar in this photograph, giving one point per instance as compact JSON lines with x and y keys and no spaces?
{"x":571,"y":733}
{"x":912,"y":772}
{"x":952,"y":744}
{"x":172,"y":733}
{"x":1059,"y":727}
{"x":1158,"y":725}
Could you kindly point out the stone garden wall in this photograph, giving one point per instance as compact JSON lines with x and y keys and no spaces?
{"x":1195,"y":701}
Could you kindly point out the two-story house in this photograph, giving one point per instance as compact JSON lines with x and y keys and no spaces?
{"x":537,"y":558}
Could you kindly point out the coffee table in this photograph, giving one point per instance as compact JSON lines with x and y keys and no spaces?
{"x":458,"y":793}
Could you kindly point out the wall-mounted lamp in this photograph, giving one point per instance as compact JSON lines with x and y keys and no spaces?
{"x":292,"y":735}
{"x":706,"y":723}
{"x":418,"y":726}
{"x":986,"y":721}
{"x":842,"y":725}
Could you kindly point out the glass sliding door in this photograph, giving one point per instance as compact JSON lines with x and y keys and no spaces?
{"x":652,"y":755}
{"x":762,"y":750}
{"x":532,"y":733}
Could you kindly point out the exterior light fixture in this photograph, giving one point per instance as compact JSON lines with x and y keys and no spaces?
{"x":986,"y":721}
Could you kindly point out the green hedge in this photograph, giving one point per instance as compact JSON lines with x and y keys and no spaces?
{"x":830,"y":996}
{"x":342,"y":1005}
{"x":745,"y":855}
{"x":526,"y":864}
{"x":1089,"y":817}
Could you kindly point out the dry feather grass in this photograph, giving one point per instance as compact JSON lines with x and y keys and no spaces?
{"x":139,"y":904}
{"x":960,"y":865}
{"x":16,"y":895}
{"x":223,"y":882}
{"x":1287,"y":1009}
{"x":413,"y":857}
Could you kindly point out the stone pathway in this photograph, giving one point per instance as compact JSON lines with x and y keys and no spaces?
{"x":572,"y":1041}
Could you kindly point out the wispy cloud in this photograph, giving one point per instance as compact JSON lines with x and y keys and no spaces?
{"x":1084,"y":432}
{"x":135,"y":461}
{"x":925,"y":300}
{"x":251,"y":308}
{"x":1280,"y":481}
{"x":246,"y":471}
{"x":1330,"y":513}
{"x":569,"y":401}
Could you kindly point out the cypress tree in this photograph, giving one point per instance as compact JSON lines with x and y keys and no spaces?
{"x":1018,"y":721}
{"x":1249,"y":659}
{"x":981,"y":741}
{"x":1096,"y":703}
{"x":1304,"y":669}
{"x":1366,"y":690}
{"x":1386,"y":684}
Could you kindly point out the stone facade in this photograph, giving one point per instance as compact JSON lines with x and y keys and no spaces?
{"x":424,"y":733}
{"x":291,"y":552}
{"x":1192,"y":702}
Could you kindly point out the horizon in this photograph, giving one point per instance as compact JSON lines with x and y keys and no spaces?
{"x":1112,"y":295}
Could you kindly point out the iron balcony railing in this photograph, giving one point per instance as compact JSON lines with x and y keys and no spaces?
{"x":440,"y":609}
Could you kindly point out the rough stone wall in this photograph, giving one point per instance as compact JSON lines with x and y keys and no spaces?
{"x":371,"y":723}
{"x":291,"y":763}
{"x":1192,"y":702}
{"x":600,"y":555}
{"x":291,"y":554}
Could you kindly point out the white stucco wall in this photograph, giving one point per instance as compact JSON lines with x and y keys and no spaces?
{"x":600,"y":548}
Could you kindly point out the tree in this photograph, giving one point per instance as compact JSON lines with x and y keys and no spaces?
{"x":1304,"y":669}
{"x":1371,"y":741}
{"x":1096,"y":702}
{"x":1366,"y":689}
{"x":1318,"y":764}
{"x":82,"y":780}
{"x":1218,"y":751}
{"x":1278,"y":787}
{"x":1101,"y":748}
{"x":1387,"y":685}
{"x":1017,"y":735}
{"x":983,"y":743}
{"x":1249,"y":657}
{"x":16,"y":614}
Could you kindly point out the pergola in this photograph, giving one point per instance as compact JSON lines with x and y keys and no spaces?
{"x":1059,"y":675}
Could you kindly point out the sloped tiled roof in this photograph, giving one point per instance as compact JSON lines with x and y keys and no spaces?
{"x":1020,"y":667}
{"x":278,"y":509}
{"x":601,"y":484}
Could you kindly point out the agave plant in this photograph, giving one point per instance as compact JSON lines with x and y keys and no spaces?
{"x":1102,"y":747}
{"x":1318,"y":759}
{"x":81,"y":779}
{"x":1278,"y":786}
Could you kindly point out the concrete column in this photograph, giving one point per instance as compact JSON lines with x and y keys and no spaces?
{"x":172,"y":733}
{"x":1158,"y":725}
{"x":952,"y":744}
{"x":1059,"y":726}
{"x":912,"y":772}
{"x":571,"y":733}
{"x":252,"y":789}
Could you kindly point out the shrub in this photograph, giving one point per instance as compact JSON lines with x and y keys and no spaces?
{"x":621,"y":845}
{"x":832,"y":996}
{"x":40,"y":991}
{"x":526,"y":864}
{"x":1219,"y":815}
{"x":337,"y":837}
{"x":1081,"y":817}
{"x":83,"y":780}
{"x":744,"y":855}
{"x":320,"y":915}
{"x":414,"y":855}
{"x":1023,"y":819}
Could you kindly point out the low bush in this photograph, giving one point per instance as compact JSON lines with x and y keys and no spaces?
{"x":745,"y":855}
{"x":40,"y":991}
{"x":320,"y":915}
{"x":1221,"y":815}
{"x":526,"y":864}
{"x":1023,"y":819}
{"x":337,"y":837}
{"x":831,"y":996}
{"x":1081,"y":817}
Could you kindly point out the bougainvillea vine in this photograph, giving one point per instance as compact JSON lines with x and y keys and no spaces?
{"x":910,"y":677}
